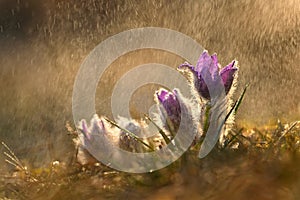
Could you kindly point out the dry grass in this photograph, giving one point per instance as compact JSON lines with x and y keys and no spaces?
{"x":264,"y":165}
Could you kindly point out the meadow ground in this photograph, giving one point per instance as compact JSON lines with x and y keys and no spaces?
{"x":256,"y":164}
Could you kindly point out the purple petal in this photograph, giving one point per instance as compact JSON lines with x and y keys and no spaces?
{"x":207,"y":62}
{"x":85,"y":130}
{"x":84,"y":126}
{"x":201,"y":87}
{"x":214,"y":66}
{"x":227,"y":75}
{"x":170,"y":105}
{"x":97,"y":126}
{"x":202,"y":62}
{"x":161,"y":95}
{"x":186,"y":64}
{"x":215,"y":59}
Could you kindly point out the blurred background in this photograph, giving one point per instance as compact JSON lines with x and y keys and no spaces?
{"x":43,"y":43}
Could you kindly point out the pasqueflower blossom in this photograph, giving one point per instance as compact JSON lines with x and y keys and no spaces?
{"x":209,"y":64}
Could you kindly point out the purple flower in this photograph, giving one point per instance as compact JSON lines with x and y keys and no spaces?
{"x":170,"y":106}
{"x":88,"y":133}
{"x":86,"y":137}
{"x":126,"y":142}
{"x":209,"y":64}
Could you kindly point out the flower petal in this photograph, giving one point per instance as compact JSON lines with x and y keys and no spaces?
{"x":227,"y":75}
{"x":161,"y":95}
{"x":201,"y":87}
{"x":170,"y":106}
{"x":84,"y":128}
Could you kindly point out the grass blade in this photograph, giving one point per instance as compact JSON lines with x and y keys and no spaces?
{"x":167,"y":140}
{"x":13,"y":157}
{"x":237,"y":103}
